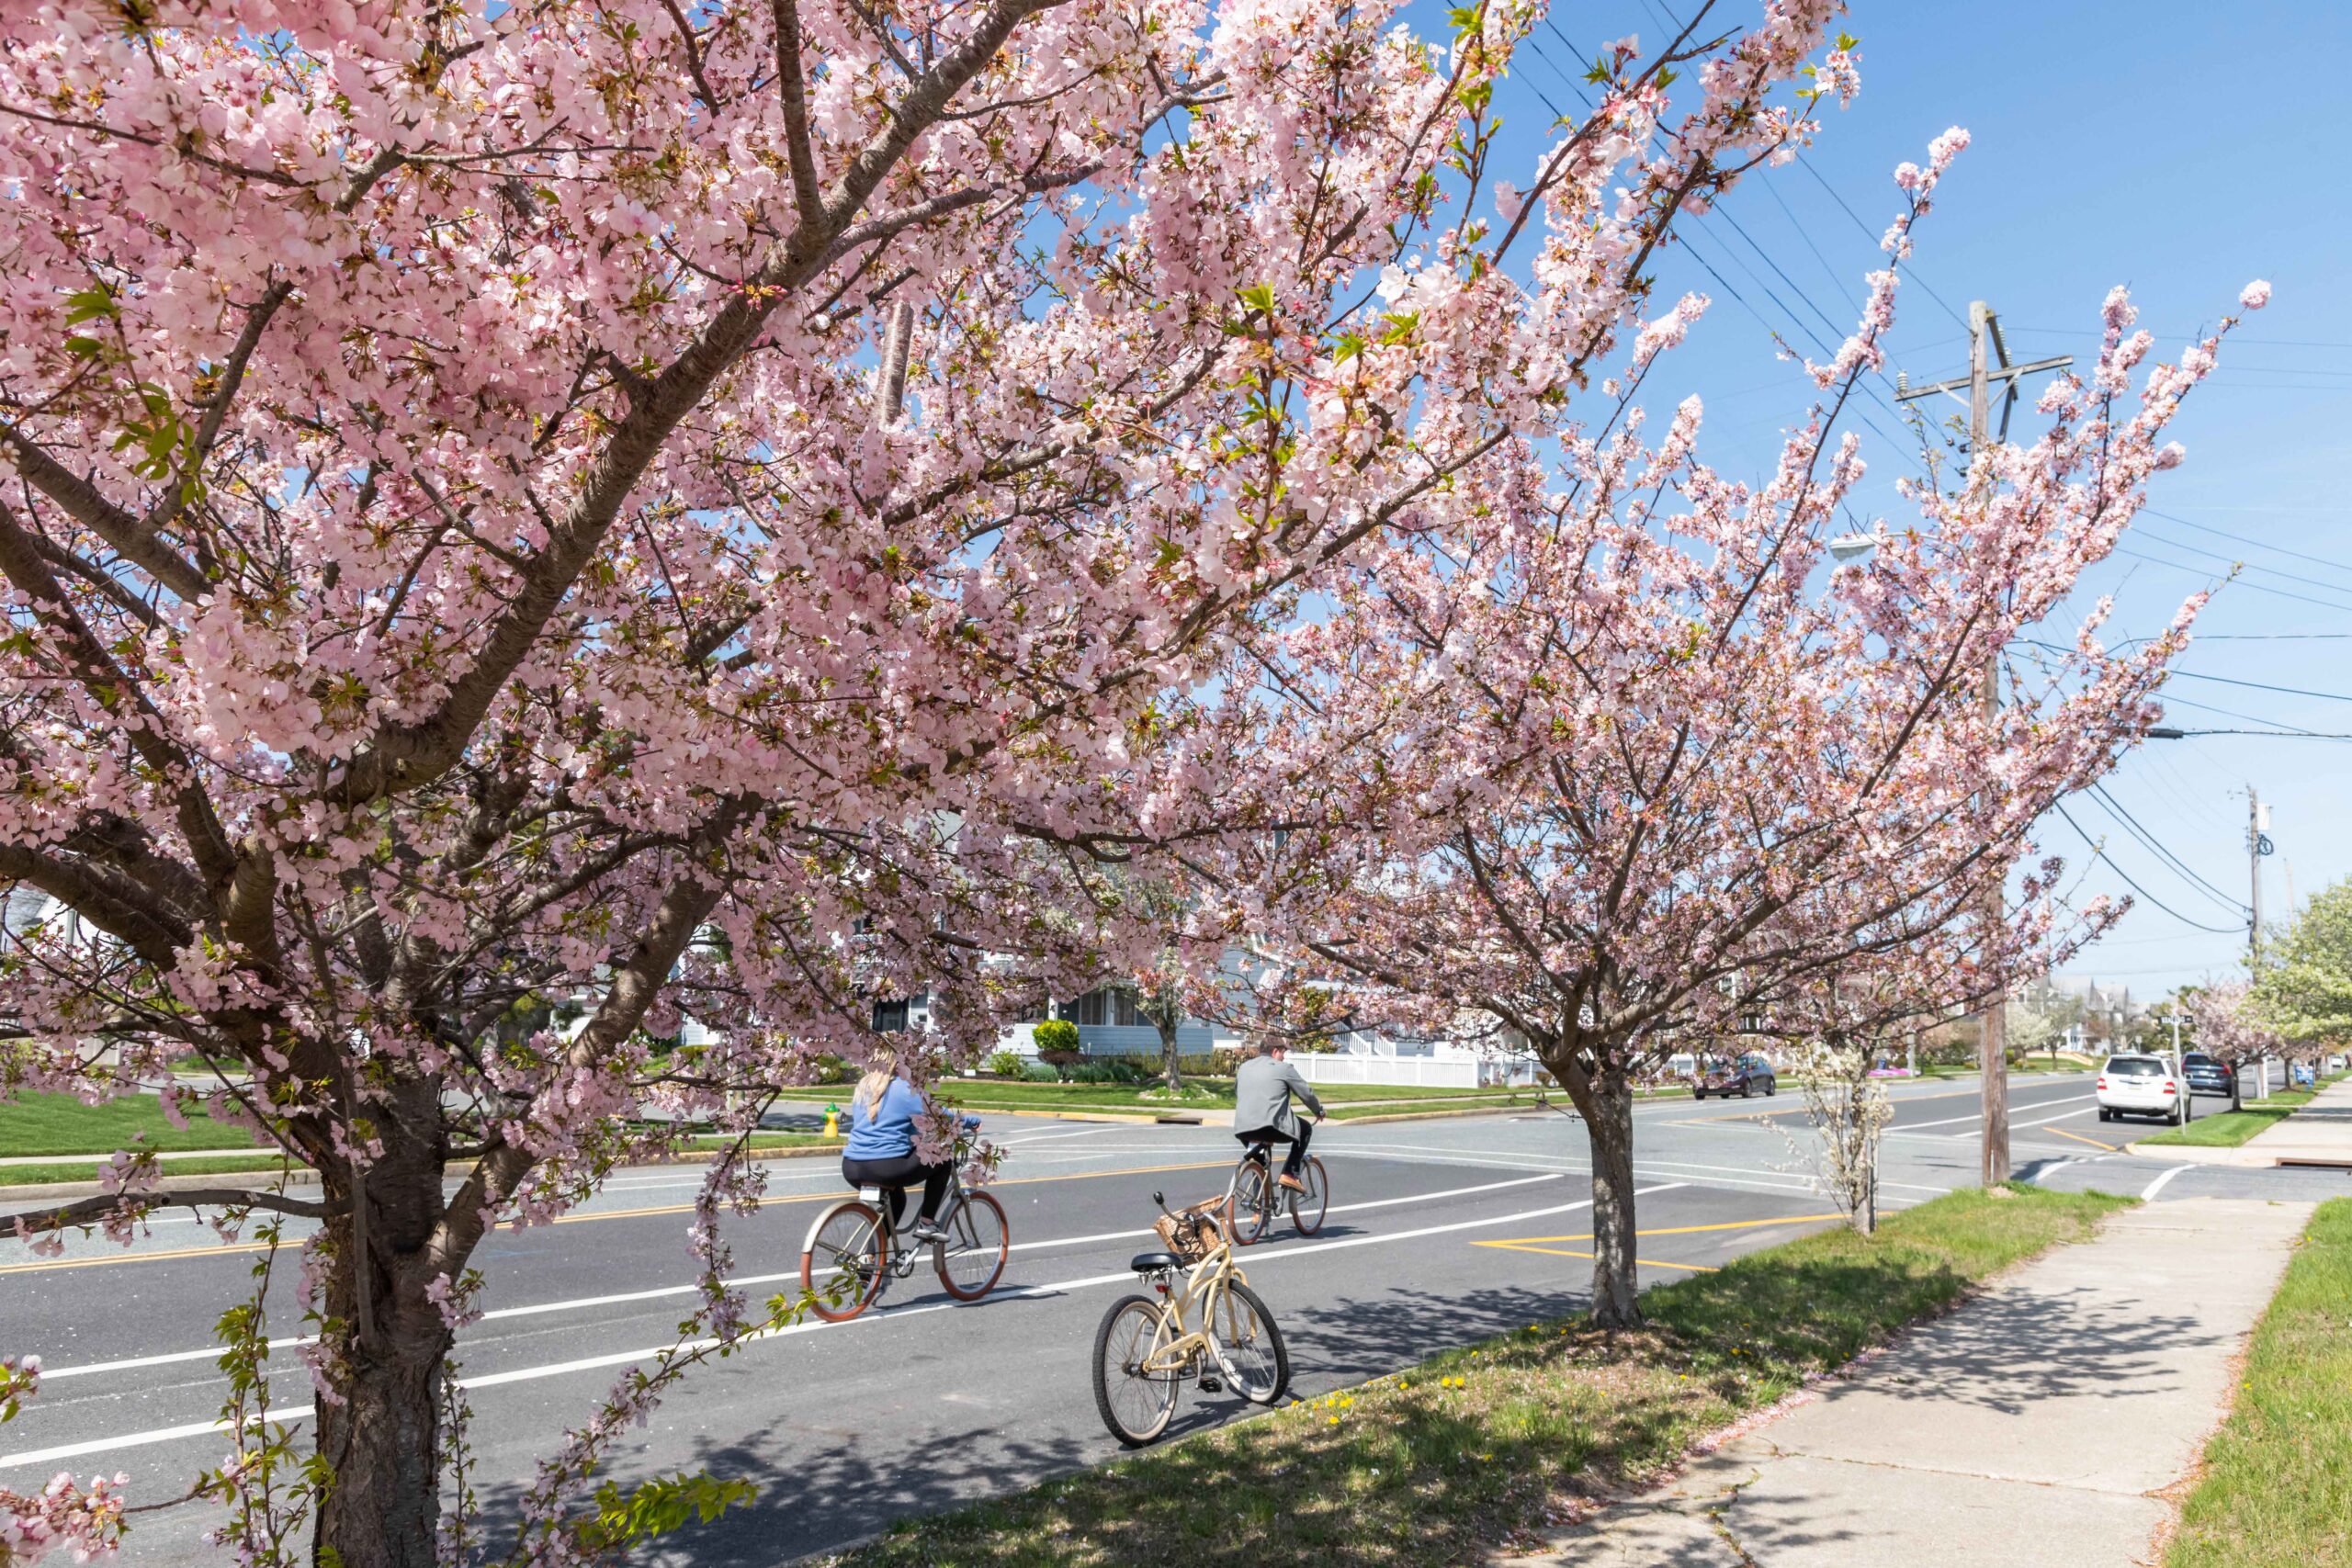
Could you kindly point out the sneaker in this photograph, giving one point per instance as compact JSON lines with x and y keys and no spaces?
{"x":1290,"y":1181}
{"x":926,"y":1232}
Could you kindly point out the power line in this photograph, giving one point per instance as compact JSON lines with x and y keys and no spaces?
{"x":2114,"y":808}
{"x":2247,"y":587}
{"x":1873,"y":239}
{"x":2279,"y":734}
{"x":2099,"y":851}
{"x":2259,"y":686}
{"x":2245,"y":539}
{"x":2171,"y":700}
{"x":2149,"y":534}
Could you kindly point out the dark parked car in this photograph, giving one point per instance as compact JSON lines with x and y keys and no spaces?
{"x":2206,"y":1074}
{"x":1747,"y":1078}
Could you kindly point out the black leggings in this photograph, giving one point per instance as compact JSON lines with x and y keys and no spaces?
{"x":1297,"y":1142}
{"x":896,"y":1175}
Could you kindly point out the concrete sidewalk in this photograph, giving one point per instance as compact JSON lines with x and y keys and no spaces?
{"x":2319,"y":1133}
{"x":2040,"y":1426}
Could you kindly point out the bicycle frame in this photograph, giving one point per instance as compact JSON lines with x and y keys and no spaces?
{"x":1204,"y":1283}
{"x":904,"y":1259}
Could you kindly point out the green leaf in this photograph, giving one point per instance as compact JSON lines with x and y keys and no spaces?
{"x":1259,"y":297}
{"x":659,"y":1507}
{"x":90,"y":304}
{"x":84,"y":348}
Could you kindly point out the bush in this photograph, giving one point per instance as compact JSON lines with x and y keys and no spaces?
{"x":1222,"y":1062}
{"x":1007,"y":1064}
{"x":1057,"y":1040}
{"x":832,"y":1069}
{"x":1042,"y":1072}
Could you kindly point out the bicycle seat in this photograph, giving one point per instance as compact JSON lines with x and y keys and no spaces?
{"x":1153,"y":1262}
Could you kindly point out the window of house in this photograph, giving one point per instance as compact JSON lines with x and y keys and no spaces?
{"x":1090,"y":1009}
{"x":889,"y":1016}
{"x":1122,"y":1009}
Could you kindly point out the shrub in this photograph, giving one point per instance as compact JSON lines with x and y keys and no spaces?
{"x":1222,"y":1062}
{"x":1058,"y":1041}
{"x":1042,"y":1072}
{"x":832,"y":1069}
{"x":1006,"y":1064}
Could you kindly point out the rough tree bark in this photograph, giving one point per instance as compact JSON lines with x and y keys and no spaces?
{"x":1604,"y":1097}
{"x":384,"y":1437}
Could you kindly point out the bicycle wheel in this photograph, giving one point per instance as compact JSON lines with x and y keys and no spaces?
{"x":1307,"y":1208}
{"x":1252,"y":1209}
{"x":1136,"y":1405}
{"x":1249,"y":1345}
{"x":850,"y":1244}
{"x":972,"y":1256}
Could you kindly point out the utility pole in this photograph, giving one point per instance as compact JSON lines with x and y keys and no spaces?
{"x":1993,"y":1048}
{"x":2258,"y":844}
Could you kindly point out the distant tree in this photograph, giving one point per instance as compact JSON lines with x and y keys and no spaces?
{"x":2303,"y":992}
{"x":2039,"y":1017}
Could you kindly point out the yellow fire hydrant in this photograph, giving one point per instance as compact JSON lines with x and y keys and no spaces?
{"x":832,"y":1121}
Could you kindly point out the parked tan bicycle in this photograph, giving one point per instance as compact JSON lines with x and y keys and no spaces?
{"x":1201,"y":1323}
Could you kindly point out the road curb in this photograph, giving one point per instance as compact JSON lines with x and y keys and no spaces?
{"x":1437,"y":1115}
{"x":303,"y":1176}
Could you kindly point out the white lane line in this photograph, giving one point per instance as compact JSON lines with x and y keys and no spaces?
{"x":135,"y":1363}
{"x":2158,"y":1184}
{"x":629,"y":1358}
{"x":2059,"y":1117}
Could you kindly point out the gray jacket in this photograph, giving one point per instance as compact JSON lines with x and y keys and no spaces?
{"x":1262,"y":1091}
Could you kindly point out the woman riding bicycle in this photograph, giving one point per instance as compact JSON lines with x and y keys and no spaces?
{"x":881,"y":1148}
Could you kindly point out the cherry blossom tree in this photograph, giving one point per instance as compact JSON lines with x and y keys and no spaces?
{"x":1613,"y":755}
{"x":525,"y":524}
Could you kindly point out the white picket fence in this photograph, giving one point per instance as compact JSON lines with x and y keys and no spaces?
{"x":1417,"y":1072}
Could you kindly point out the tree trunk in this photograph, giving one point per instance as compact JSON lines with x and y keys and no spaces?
{"x":383,"y":1508}
{"x":1168,"y":1056}
{"x":383,"y":1439}
{"x":1609,"y":1125}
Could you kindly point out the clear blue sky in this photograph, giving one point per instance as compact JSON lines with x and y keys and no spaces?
{"x":2182,"y":150}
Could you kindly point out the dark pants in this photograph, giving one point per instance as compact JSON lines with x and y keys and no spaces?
{"x":1297,"y":1142}
{"x":895,"y":1176}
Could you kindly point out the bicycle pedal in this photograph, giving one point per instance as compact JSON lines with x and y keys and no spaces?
{"x":1210,"y":1385}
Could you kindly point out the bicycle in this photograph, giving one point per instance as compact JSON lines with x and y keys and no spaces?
{"x":854,"y":1238}
{"x":1147,"y":1346}
{"x":1251,"y":1194}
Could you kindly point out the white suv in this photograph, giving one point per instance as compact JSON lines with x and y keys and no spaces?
{"x":2143,"y":1085}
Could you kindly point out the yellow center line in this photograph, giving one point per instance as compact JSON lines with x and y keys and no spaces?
{"x":231,"y":1248}
{"x":1535,"y":1243}
{"x":2094,"y":1143}
{"x":1564,"y":1252}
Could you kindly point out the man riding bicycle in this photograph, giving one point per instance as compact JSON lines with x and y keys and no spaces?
{"x":1262,"y":1087}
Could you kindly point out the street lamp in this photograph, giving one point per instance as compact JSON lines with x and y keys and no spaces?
{"x":1849,"y":547}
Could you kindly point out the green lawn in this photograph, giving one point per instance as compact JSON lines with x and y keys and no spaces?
{"x":2228,"y":1129}
{"x":61,"y":1124}
{"x":1140,"y":1100}
{"x":1463,"y":1451}
{"x":48,"y":1172}
{"x":2277,"y":1489}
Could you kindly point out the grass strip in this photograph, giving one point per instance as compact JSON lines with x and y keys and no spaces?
{"x":2277,"y":1489}
{"x":2228,"y":1129}
{"x":61,"y":1124}
{"x":48,"y":1174}
{"x":1468,"y":1449}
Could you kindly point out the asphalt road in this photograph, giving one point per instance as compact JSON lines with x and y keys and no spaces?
{"x":1440,"y":1232}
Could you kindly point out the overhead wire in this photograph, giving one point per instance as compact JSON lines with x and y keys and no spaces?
{"x":2100,"y":849}
{"x":2148,"y":840}
{"x":2246,"y":539}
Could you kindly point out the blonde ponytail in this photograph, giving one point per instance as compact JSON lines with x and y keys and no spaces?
{"x":880,"y":1068}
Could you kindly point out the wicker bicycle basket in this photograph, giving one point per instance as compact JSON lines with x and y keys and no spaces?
{"x":1191,"y":1233}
